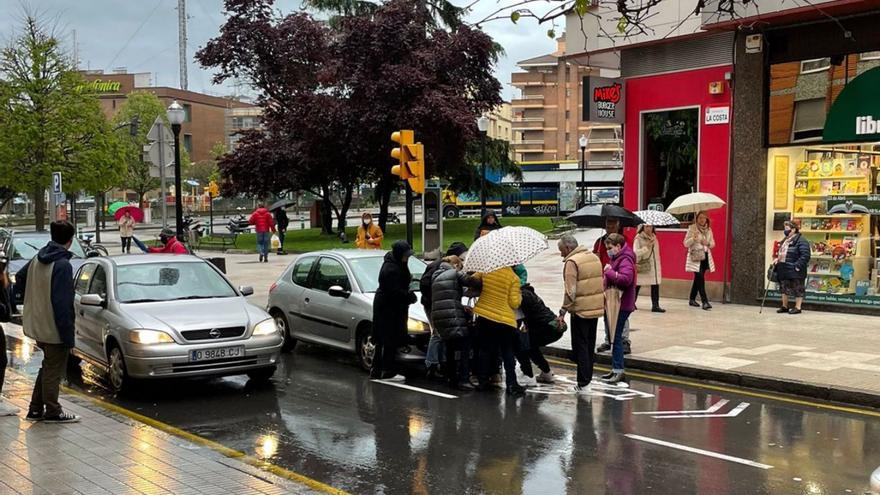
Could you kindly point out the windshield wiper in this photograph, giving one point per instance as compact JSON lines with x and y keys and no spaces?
{"x":192,"y":297}
{"x":135,"y":301}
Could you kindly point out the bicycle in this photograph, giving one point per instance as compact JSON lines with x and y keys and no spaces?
{"x":91,"y":249}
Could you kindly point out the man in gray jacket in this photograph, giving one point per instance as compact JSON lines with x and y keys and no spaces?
{"x":47,"y":284}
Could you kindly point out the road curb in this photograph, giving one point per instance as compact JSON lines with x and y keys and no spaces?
{"x":840,"y":395}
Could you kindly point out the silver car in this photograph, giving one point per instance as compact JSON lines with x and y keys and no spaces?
{"x":160,"y":315}
{"x":326,"y":297}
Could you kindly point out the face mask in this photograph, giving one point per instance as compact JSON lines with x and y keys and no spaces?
{"x":787,"y":232}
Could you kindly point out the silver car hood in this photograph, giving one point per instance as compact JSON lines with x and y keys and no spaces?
{"x":195,"y":314}
{"x":416,"y":310}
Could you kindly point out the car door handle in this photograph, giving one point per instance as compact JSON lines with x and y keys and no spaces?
{"x":307,"y":300}
{"x":82,"y":313}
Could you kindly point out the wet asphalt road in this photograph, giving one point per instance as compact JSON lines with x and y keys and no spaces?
{"x":321,"y":417}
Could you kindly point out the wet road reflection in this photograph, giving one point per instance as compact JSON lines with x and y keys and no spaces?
{"x":323,"y":418}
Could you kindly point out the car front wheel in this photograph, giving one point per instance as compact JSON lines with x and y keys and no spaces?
{"x":366,"y":348}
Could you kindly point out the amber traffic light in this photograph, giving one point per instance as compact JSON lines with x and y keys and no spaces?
{"x":410,"y":160}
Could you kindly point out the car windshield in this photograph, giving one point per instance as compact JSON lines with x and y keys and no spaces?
{"x":366,"y":270}
{"x":26,"y":247}
{"x":170,"y":281}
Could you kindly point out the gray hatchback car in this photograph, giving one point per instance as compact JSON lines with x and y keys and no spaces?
{"x":326,"y":297}
{"x":162,"y":315}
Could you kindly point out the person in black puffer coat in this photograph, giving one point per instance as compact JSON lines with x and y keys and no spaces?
{"x":791,"y":267}
{"x":451,"y":319}
{"x":390,"y":311}
{"x":543,"y":328}
{"x":435,"y":345}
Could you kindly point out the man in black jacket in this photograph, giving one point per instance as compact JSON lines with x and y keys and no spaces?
{"x":432,"y":357}
{"x":281,"y":224}
{"x":47,"y":284}
{"x":543,"y":328}
{"x":391,"y":310}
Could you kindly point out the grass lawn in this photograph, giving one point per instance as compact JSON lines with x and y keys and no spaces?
{"x":460,"y":229}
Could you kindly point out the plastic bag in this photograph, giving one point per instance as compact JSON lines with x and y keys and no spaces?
{"x":276,"y":242}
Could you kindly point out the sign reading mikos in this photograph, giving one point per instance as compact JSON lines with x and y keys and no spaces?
{"x":604,"y":100}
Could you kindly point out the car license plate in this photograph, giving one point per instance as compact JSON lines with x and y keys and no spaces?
{"x":216,"y":353}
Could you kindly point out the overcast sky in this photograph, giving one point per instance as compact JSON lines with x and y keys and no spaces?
{"x":141,"y":35}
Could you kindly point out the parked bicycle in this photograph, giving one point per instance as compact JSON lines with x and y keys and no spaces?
{"x":92,"y":249}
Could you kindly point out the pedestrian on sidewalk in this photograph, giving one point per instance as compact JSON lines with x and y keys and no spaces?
{"x":281,"y":224}
{"x":488,"y":222}
{"x":584,"y":300}
{"x":126,"y":231}
{"x":620,"y":273}
{"x":647,"y":249}
{"x":699,"y":242}
{"x":791,"y":268}
{"x":612,"y":226}
{"x":5,"y":316}
{"x":435,"y":351}
{"x":47,"y":284}
{"x":170,"y":244}
{"x":391,"y":310}
{"x":540,"y":328}
{"x":496,"y":325}
{"x":369,"y":234}
{"x":264,"y":225}
{"x":451,"y":320}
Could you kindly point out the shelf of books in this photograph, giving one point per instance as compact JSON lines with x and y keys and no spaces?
{"x":834,"y":195}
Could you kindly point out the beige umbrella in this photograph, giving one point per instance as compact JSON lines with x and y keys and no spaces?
{"x":695,"y":202}
{"x":612,"y":310}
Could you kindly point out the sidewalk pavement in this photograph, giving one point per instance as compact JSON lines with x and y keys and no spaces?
{"x":107,"y":453}
{"x":825,"y":355}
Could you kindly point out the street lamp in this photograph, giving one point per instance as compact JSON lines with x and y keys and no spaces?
{"x":483,"y":126}
{"x":176,"y":116}
{"x":583,"y":142}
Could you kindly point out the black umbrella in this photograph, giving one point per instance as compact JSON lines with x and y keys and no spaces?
{"x":282,"y":203}
{"x":595,"y":215}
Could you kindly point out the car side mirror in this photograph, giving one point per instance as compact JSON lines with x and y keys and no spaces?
{"x":93,"y":300}
{"x":337,"y":291}
{"x":246,"y":290}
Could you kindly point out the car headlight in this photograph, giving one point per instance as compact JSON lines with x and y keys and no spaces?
{"x":149,"y":337}
{"x":12,"y":278}
{"x":417,"y":326}
{"x":266,"y":327}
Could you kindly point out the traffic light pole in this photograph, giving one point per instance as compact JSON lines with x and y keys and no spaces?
{"x":409,"y":214}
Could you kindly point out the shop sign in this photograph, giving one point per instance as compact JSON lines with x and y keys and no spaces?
{"x":856,"y":204}
{"x":855,"y":115}
{"x":848,"y":299}
{"x":717,"y":115}
{"x":604,"y":100}
{"x":99,"y":86}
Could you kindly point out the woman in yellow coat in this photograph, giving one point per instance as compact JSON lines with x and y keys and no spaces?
{"x":369,"y":234}
{"x":496,"y":325}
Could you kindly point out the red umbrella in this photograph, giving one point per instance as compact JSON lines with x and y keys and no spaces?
{"x":135,"y":212}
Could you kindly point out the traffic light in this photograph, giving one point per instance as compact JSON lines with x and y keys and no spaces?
{"x":213,"y":189}
{"x":405,"y":139}
{"x":411,"y":160}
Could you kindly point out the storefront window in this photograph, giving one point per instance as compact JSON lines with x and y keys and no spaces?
{"x":670,"y":145}
{"x":815,"y":65}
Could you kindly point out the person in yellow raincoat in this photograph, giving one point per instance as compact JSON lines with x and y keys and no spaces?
{"x":369,"y":234}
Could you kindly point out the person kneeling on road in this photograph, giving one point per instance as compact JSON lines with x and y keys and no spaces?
{"x":451,"y":319}
{"x":541,"y":328}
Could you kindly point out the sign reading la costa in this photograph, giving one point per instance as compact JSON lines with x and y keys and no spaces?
{"x":99,"y":86}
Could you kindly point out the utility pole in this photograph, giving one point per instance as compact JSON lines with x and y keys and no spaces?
{"x":181,"y":41}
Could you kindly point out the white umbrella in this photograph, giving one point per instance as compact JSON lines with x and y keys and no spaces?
{"x":507,"y":246}
{"x":695,"y":202}
{"x":657,"y":218}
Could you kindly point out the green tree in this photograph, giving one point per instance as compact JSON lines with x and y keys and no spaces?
{"x":49,"y":123}
{"x":143,"y":107}
{"x":205,"y":171}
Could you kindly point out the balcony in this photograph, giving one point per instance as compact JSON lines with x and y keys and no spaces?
{"x":528,"y":102}
{"x":527,"y":79}
{"x":537,"y":125}
{"x":528,"y":145}
{"x":528,"y":119}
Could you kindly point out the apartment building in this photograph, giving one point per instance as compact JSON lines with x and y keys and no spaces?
{"x":548,"y":117}
{"x":239,"y":120}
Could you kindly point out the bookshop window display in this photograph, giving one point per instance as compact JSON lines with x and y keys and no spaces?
{"x":833,"y":193}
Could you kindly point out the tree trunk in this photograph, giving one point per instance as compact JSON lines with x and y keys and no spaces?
{"x":383,"y":197}
{"x":326,"y":211}
{"x":39,"y":210}
{"x":343,"y":210}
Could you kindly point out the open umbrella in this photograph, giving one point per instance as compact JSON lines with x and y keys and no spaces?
{"x":695,"y":202}
{"x":282,"y":203}
{"x":115,"y":206}
{"x":595,"y":215}
{"x":136,"y":213}
{"x":507,"y":246}
{"x":657,"y":218}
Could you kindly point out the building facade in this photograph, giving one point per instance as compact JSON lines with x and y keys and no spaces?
{"x":240,"y":120}
{"x":205,"y":124}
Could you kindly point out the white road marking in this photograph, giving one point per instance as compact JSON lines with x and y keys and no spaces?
{"x":732,"y":414}
{"x":716,"y":406}
{"x":416,"y":389}
{"x":693,"y":450}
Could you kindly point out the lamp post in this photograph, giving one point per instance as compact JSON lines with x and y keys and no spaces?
{"x":583,"y":142}
{"x":483,"y":126}
{"x":176,"y":116}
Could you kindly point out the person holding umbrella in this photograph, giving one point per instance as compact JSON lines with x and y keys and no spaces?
{"x":791,"y":267}
{"x":620,"y":282}
{"x":126,"y":230}
{"x":281,"y":224}
{"x":647,"y":249}
{"x":699,"y":242}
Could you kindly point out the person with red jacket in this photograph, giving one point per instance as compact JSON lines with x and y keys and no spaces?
{"x":170,"y":244}
{"x":264,"y":224}
{"x":612,"y":226}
